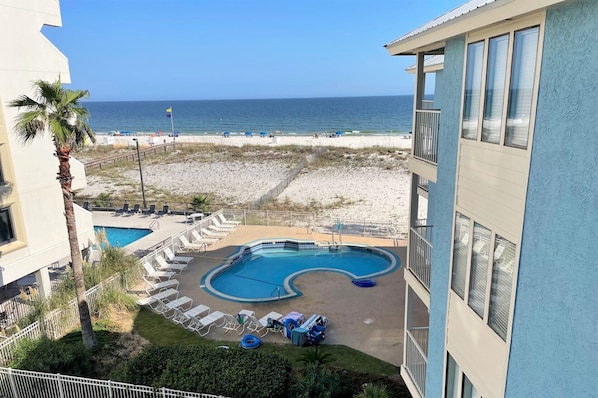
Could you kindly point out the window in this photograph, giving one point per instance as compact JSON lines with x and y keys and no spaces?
{"x":500,"y":289}
{"x":469,"y":390}
{"x":522,"y":87}
{"x":460,"y":250}
{"x":473,"y":88}
{"x":495,"y":88}
{"x":6,"y":231}
{"x":509,"y":64}
{"x":489,"y":260}
{"x":457,"y":383}
{"x":479,"y":269}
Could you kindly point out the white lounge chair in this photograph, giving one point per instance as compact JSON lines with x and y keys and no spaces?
{"x":253,"y":325}
{"x":197,"y":238}
{"x":172,"y":258}
{"x":152,"y":285}
{"x":216,"y":226}
{"x":155,"y":301}
{"x":164,"y":266}
{"x":195,"y":313}
{"x":226,"y":222}
{"x":152,"y":273}
{"x":181,"y":304}
{"x":233,"y":322}
{"x":198,"y":325}
{"x":211,"y":234}
{"x":192,"y":246}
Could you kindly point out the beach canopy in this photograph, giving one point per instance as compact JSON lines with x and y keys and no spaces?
{"x":226,"y":133}
{"x":248,"y":134}
{"x":339,"y":133}
{"x":263,"y":133}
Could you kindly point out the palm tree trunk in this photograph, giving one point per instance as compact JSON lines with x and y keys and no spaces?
{"x":65,"y":178}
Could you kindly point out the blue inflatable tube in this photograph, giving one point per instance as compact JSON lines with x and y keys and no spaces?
{"x":364,"y":282}
{"x":289,"y":325}
{"x":249,"y":342}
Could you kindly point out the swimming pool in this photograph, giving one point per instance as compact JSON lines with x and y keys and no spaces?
{"x":265,"y":270}
{"x":121,"y":237}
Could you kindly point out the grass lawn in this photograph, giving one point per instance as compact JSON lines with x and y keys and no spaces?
{"x":160,"y":331}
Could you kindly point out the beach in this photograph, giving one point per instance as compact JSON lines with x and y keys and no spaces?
{"x":374,"y":189}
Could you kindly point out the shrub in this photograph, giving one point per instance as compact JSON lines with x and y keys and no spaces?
{"x":71,"y":358}
{"x":232,"y":372}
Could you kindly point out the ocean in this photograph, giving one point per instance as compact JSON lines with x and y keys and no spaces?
{"x":301,"y":116}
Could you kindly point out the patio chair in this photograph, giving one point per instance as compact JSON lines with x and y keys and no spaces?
{"x":125,"y":209}
{"x":197,"y":238}
{"x":135,"y":210}
{"x":150,"y":210}
{"x":196,"y":247}
{"x":152,"y":286}
{"x":253,"y":325}
{"x":169,"y":309}
{"x":86,"y":205}
{"x":164,"y":266}
{"x":211,"y":234}
{"x":172,"y":258}
{"x":226,"y":222}
{"x":233,"y":322}
{"x":225,"y":228}
{"x":152,"y":273}
{"x":181,"y":316}
{"x":165,"y":210}
{"x":271,"y":322}
{"x":156,"y":301}
{"x":198,"y":325}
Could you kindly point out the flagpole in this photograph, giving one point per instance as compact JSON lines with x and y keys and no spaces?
{"x":172,"y":124}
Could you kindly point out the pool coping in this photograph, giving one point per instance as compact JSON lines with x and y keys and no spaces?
{"x":288,"y":283}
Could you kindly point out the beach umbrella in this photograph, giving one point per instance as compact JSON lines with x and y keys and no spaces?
{"x":226,"y":134}
{"x":263,"y":134}
{"x":339,"y":133}
{"x":248,"y":134}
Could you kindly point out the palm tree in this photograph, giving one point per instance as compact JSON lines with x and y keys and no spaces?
{"x":57,"y":111}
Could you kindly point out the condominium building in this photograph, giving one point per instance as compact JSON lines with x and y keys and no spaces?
{"x":505,"y":160}
{"x":33,"y":231}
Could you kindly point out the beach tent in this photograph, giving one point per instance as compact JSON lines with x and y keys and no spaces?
{"x":339,"y":133}
{"x":248,"y":134}
{"x":263,"y":134}
{"x":226,"y":134}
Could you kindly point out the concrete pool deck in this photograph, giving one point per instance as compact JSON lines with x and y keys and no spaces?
{"x":367,"y":319}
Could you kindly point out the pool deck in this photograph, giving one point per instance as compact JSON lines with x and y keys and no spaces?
{"x":367,"y":319}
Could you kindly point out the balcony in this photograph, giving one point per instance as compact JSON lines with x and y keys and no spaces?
{"x":425,"y":137}
{"x":416,"y":360}
{"x":420,"y":253}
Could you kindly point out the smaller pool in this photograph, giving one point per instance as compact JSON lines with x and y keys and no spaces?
{"x":121,"y":237}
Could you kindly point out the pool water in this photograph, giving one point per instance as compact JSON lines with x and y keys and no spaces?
{"x":266,"y":273}
{"x":121,"y":237}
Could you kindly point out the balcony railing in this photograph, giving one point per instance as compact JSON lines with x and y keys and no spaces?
{"x":420,"y":253}
{"x":416,"y":357}
{"x":425,"y":137}
{"x":423,"y":183}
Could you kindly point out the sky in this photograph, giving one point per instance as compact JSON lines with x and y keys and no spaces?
{"x":127,"y":50}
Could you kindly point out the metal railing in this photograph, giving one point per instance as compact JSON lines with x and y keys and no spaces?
{"x":22,"y":383}
{"x":420,"y":253}
{"x":425,"y":137}
{"x":129,"y":157}
{"x":416,"y":359}
{"x":423,"y":183}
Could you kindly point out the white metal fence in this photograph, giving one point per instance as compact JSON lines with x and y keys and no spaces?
{"x":22,"y":383}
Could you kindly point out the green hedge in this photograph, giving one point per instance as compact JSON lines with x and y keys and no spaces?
{"x":229,"y":372}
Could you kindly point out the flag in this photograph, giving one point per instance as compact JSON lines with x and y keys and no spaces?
{"x":169,"y":112}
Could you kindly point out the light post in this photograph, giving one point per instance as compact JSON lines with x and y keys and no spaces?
{"x":140,"y":173}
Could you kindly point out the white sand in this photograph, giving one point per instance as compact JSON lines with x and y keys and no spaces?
{"x":369,"y":194}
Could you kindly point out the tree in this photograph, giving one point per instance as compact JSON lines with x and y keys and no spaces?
{"x":58,"y":112}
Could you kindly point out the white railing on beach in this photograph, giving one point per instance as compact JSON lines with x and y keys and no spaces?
{"x":22,"y":383}
{"x":425,"y":136}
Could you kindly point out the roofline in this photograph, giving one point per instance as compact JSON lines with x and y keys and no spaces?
{"x":433,"y":38}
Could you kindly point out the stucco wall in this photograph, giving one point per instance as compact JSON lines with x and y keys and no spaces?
{"x":441,"y":199}
{"x":554,"y":349}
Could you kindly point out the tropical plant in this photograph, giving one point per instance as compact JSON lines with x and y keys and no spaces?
{"x":373,"y":390}
{"x":57,"y":111}
{"x":102,"y":200}
{"x":200,"y":203}
{"x":313,"y":356}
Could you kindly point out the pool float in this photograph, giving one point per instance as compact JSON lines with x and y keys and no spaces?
{"x":249,"y":342}
{"x":289,"y":325}
{"x":364,"y":282}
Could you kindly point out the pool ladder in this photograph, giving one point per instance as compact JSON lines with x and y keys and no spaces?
{"x":275,"y":292}
{"x":155,"y":224}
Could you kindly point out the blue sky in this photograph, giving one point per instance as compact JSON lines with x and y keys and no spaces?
{"x":124,"y":50}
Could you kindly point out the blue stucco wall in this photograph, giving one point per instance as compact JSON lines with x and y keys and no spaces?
{"x":441,"y":205}
{"x":554,"y":349}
